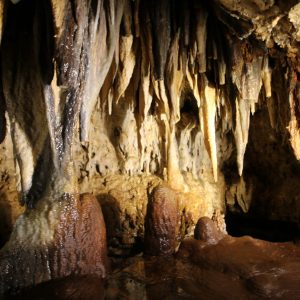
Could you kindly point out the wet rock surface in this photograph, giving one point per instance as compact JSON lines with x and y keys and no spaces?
{"x":75,"y":245}
{"x":73,"y":287}
{"x":234,"y":268}
{"x":162,"y":222}
{"x":207,"y":231}
{"x":203,"y":96}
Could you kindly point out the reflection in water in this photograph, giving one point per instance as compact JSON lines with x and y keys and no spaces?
{"x":235,"y":268}
{"x":74,"y":287}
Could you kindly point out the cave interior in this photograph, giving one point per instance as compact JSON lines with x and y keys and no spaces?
{"x":145,"y":141}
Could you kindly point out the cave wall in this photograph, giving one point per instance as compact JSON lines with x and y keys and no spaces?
{"x":113,"y":97}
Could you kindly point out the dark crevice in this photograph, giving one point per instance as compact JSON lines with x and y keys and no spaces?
{"x":261,"y":228}
{"x":2,"y":112}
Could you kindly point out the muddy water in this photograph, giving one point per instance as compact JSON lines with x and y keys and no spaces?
{"x":235,"y":268}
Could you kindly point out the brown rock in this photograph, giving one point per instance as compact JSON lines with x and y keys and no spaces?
{"x":162,"y":222}
{"x":88,"y":287}
{"x":83,"y":235}
{"x":207,"y":231}
{"x":77,"y":246}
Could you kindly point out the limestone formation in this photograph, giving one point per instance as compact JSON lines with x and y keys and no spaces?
{"x":162,"y":222}
{"x":114,"y":97}
{"x":207,"y":231}
{"x":59,"y":239}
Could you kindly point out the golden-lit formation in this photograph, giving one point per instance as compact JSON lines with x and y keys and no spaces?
{"x":165,"y":111}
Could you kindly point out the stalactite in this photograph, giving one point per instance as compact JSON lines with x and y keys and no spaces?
{"x":145,"y":96}
{"x":23,"y":91}
{"x":209,"y":114}
{"x":201,"y":36}
{"x":126,"y":53}
{"x":126,"y":66}
{"x":243,"y":108}
{"x":107,"y":91}
{"x":2,"y":98}
{"x":146,"y":56}
{"x":195,"y":83}
{"x":105,"y":35}
{"x":24,"y":157}
{"x":136,"y":17}
{"x":161,"y":94}
{"x":222,"y":70}
{"x":186,"y":156}
{"x":293,"y":127}
{"x":55,"y":136}
{"x":197,"y":154}
{"x":247,"y":75}
{"x":175,"y":78}
{"x":186,"y":23}
{"x":267,"y":77}
{"x":226,"y":112}
{"x":240,"y":193}
{"x":161,"y":33}
{"x":175,"y":178}
{"x":2,"y":18}
{"x":272,"y":111}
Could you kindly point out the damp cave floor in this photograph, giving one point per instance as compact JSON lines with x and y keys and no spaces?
{"x":235,"y":268}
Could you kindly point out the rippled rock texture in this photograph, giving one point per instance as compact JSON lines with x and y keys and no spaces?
{"x":66,"y":237}
{"x":162,"y":234}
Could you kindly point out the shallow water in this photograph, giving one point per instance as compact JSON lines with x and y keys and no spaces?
{"x":235,"y":268}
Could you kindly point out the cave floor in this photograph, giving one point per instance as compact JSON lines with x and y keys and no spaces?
{"x":235,"y":268}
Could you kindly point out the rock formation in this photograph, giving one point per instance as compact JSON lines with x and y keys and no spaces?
{"x":162,"y":222}
{"x":115,"y":97}
{"x":54,"y":241}
{"x":207,"y":231}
